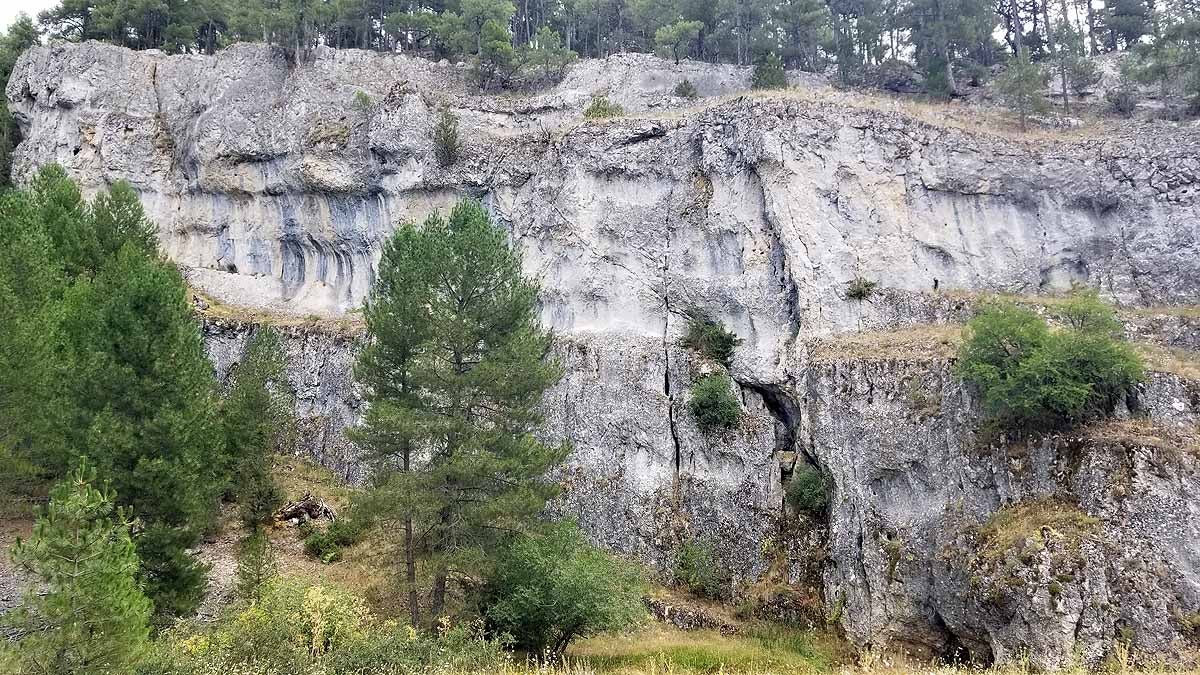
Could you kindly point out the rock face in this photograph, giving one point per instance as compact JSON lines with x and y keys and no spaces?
{"x":274,"y":187}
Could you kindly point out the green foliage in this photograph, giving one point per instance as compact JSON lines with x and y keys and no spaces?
{"x":807,"y":492}
{"x":548,"y":54}
{"x":85,"y":613}
{"x":1022,"y":87}
{"x":1032,"y":377}
{"x":1123,"y":99}
{"x":601,"y":108}
{"x":362,"y":101}
{"x":550,"y":588}
{"x":446,"y":145}
{"x":455,"y":367}
{"x":258,"y":418}
{"x":685,"y":89}
{"x":1082,"y":74}
{"x":697,"y":570}
{"x":303,"y":630}
{"x":769,"y":73}
{"x":115,"y":369}
{"x":712,"y":404}
{"x":678,"y":37}
{"x":326,"y":545}
{"x":710,"y":338}
{"x":255,"y":565}
{"x":859,"y":288}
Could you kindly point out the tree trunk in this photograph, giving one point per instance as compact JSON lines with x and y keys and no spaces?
{"x":410,"y":573}
{"x":1017,"y":29}
{"x":437,"y":599}
{"x":944,"y":47}
{"x":1056,"y":54}
{"x":1091,"y":19}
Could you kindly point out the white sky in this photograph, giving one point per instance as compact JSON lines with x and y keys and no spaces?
{"x":9,"y":9}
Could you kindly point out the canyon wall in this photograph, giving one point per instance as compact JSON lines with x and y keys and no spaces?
{"x":273,"y":188}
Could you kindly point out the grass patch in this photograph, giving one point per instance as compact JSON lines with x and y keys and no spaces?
{"x":918,"y":343}
{"x":1011,"y":527}
{"x":760,"y":649}
{"x":1172,"y":360}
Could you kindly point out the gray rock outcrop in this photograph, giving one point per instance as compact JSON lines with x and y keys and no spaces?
{"x":273,"y":188}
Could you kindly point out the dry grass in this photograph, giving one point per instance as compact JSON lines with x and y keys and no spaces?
{"x":349,"y":326}
{"x":970,"y":118}
{"x":1145,"y":432}
{"x":919,"y":343}
{"x":1009,"y":528}
{"x":1181,"y":362}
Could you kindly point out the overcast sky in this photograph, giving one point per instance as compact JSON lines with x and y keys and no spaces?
{"x":9,"y":9}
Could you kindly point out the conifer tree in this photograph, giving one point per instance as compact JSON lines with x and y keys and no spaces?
{"x":455,"y":371}
{"x":85,"y":614}
{"x":1022,"y":87}
{"x":258,"y":420}
{"x":128,"y":384}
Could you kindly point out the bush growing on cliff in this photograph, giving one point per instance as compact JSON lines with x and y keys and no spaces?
{"x":601,"y":107}
{"x":697,"y":570}
{"x":713,"y":405}
{"x":1033,"y":377}
{"x":685,"y":89}
{"x":859,"y":288}
{"x":550,"y":588}
{"x":769,"y":73}
{"x":709,"y":337}
{"x":446,"y":145}
{"x":806,"y":492}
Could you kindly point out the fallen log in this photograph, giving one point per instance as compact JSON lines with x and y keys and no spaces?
{"x":307,"y":508}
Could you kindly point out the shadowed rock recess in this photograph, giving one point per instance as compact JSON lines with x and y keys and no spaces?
{"x":273,"y":187}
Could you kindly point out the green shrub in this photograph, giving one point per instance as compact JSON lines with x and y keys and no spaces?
{"x":685,"y":89}
{"x":859,"y":288}
{"x":362,"y":100}
{"x":326,"y":545}
{"x":601,"y":107}
{"x":709,"y":337}
{"x":1082,"y":74}
{"x":696,"y":569}
{"x":806,"y":492}
{"x":1032,"y":377}
{"x":551,"y":588}
{"x":309,"y":629}
{"x":713,"y":405}
{"x":446,"y":146}
{"x":255,"y":565}
{"x":769,"y":74}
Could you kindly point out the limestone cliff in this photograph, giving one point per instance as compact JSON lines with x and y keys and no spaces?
{"x":273,"y":187}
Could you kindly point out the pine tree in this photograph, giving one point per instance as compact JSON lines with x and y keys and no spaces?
{"x":445,"y":138}
{"x":1022,"y":87}
{"x":769,"y":74}
{"x":258,"y":420}
{"x":85,"y":614}
{"x":456,"y":368}
{"x":255,"y":565}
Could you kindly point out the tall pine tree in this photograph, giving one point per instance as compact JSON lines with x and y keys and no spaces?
{"x":455,"y":370}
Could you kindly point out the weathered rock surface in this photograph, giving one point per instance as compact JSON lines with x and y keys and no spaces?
{"x":274,"y":189}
